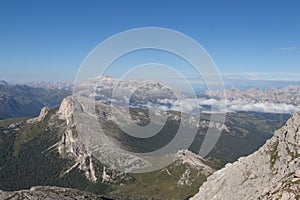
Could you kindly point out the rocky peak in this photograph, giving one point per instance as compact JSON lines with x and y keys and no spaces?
{"x":66,"y":109}
{"x":272,"y":172}
{"x":43,"y":113}
{"x":193,"y":160}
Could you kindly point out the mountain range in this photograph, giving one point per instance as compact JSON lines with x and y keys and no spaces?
{"x":48,"y":151}
{"x":23,"y":100}
{"x":27,"y":99}
{"x":288,"y":95}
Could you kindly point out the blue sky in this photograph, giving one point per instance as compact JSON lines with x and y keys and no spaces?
{"x":48,"y":40}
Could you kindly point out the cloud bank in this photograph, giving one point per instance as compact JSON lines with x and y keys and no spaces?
{"x":214,"y":105}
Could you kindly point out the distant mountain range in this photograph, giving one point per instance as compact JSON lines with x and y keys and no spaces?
{"x":287,"y":95}
{"x":26,"y":100}
{"x":23,"y":100}
{"x":155,"y":95}
{"x":65,"y":85}
{"x":283,"y":100}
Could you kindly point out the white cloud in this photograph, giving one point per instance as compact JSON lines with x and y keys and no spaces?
{"x":239,"y":105}
{"x":208,"y":102}
{"x":264,"y":107}
{"x":215,"y":106}
{"x":184,"y":105}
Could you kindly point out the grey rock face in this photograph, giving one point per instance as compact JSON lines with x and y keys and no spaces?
{"x":269,"y":173}
{"x":106,"y":89}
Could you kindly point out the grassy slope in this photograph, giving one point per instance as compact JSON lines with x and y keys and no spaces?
{"x":160,"y":185}
{"x":24,"y":161}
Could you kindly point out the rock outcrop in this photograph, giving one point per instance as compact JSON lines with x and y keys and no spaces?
{"x":71,"y":146}
{"x":192,"y":162}
{"x":44,"y":112}
{"x":272,"y":172}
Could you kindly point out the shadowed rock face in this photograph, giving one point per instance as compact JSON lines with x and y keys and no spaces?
{"x":272,"y":172}
{"x":47,"y":192}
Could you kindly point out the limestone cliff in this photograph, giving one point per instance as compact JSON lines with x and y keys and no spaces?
{"x":272,"y":172}
{"x":70,"y":144}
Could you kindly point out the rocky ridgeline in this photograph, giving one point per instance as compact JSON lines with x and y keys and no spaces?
{"x":272,"y":172}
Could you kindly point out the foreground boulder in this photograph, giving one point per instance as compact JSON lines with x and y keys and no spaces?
{"x":272,"y":172}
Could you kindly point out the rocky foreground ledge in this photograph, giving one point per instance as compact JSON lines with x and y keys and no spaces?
{"x":49,"y":193}
{"x":272,"y":172}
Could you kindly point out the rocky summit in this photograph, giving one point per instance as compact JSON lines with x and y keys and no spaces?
{"x":272,"y":172}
